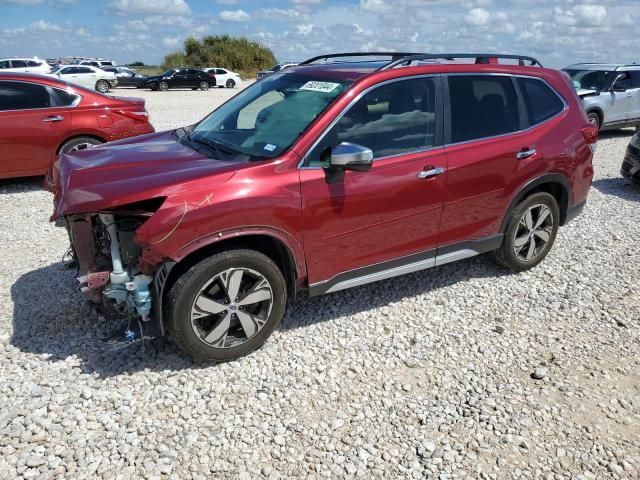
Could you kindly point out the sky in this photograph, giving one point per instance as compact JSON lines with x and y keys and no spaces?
{"x":557,"y":32}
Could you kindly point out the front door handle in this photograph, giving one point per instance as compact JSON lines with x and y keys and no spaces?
{"x":525,"y":153}
{"x":432,"y":172}
{"x":53,"y":118}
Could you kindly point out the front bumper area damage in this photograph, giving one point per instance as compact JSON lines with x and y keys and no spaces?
{"x":110,"y":272}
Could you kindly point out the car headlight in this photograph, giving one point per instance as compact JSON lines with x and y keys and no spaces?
{"x":635,"y":140}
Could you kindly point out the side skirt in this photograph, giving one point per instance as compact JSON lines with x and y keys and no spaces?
{"x":408,"y":264}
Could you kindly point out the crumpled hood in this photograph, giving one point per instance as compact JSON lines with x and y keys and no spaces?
{"x":583,"y":92}
{"x":131,"y":170}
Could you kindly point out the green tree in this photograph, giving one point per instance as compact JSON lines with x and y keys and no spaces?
{"x":235,"y":53}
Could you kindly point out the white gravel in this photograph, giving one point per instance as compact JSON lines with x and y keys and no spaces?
{"x":429,"y":375}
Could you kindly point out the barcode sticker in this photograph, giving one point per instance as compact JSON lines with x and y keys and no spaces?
{"x":325,"y":87}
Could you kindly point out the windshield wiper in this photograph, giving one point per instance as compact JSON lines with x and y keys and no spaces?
{"x":215,"y":146}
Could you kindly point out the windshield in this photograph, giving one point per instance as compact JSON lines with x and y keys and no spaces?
{"x":591,"y":79}
{"x":266,"y":118}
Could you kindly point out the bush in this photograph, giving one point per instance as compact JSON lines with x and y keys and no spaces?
{"x":137,"y":63}
{"x":238,"y":54}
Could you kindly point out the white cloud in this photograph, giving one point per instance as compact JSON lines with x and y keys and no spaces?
{"x":171,"y":42}
{"x":280,"y":14}
{"x":304,"y":29}
{"x":378,"y":6}
{"x":235,"y":16}
{"x":169,"y":7}
{"x":227,"y":2}
{"x":44,"y":26}
{"x":477,"y":17}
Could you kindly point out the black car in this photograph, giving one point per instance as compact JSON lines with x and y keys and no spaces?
{"x":181,"y":78}
{"x":127,"y":77}
{"x":631,"y":163}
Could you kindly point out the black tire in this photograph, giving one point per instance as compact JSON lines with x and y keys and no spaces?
{"x":594,"y":118}
{"x":230,"y":83}
{"x":103,"y":86}
{"x":79,"y":143}
{"x":197,"y":281}
{"x":204,"y":85}
{"x":163,"y":86}
{"x":506,"y":255}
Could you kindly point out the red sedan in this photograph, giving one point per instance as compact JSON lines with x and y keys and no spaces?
{"x":41,"y":117}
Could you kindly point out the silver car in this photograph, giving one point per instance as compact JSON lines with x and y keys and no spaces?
{"x":610,"y":93}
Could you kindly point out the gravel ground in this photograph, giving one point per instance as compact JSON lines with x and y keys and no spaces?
{"x":429,"y":375}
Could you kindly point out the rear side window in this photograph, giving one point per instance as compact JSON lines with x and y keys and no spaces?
{"x":19,"y":63}
{"x":23,"y":96}
{"x":33,"y":63}
{"x":63,"y":98}
{"x":83,"y":70}
{"x":542,"y":102}
{"x":482,"y":106}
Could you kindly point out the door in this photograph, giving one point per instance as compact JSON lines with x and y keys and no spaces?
{"x":485,"y":151}
{"x":31,"y":127}
{"x":634,"y":89}
{"x":179,"y":79}
{"x":195,"y":77}
{"x":618,"y":104}
{"x":391,"y":211}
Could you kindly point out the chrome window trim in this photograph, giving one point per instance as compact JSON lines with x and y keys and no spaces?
{"x":445,"y":75}
{"x":301,"y":165}
{"x":46,"y":87}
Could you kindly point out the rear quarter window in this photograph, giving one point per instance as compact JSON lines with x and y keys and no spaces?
{"x":541,"y":101}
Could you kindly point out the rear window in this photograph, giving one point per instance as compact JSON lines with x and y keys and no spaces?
{"x":482,"y":106}
{"x":542,"y":103}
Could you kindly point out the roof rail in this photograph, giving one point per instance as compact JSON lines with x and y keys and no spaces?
{"x":480,"y":58}
{"x":394,"y":56}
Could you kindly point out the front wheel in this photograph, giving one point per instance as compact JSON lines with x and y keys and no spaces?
{"x":204,"y":85}
{"x":594,"y":119}
{"x":102,"y":86}
{"x":227,"y":305}
{"x":163,"y":86}
{"x":530,"y":233}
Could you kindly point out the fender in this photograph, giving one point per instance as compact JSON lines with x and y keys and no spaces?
{"x":295,"y":249}
{"x":532,"y":184}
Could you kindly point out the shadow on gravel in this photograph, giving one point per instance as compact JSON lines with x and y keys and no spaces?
{"x":51,"y":318}
{"x":22,"y":184}
{"x":621,"y":133}
{"x":620,"y":187}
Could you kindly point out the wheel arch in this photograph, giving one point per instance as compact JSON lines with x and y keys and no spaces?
{"x":554,"y":183}
{"x":270,"y":245}
{"x":598,"y":111}
{"x":79,"y":135}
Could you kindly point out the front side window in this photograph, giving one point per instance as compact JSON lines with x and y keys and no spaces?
{"x":23,"y":96}
{"x":542,"y":103}
{"x":19,"y":64}
{"x":482,"y":106}
{"x":392,"y":119}
{"x":265,"y":119}
{"x":635,"y":79}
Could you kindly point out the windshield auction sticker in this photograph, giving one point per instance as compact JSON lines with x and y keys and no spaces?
{"x":325,"y":87}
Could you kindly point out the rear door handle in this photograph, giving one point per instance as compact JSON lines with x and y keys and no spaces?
{"x":53,"y":118}
{"x":525,"y":154}
{"x":431,"y":172}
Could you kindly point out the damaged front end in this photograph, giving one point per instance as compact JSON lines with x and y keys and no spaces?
{"x":110,"y":272}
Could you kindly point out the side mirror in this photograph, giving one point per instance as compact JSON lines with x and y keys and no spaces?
{"x":351,"y":156}
{"x":347,"y":156}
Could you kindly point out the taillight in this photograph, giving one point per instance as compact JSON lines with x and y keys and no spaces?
{"x":590,"y":134}
{"x":140,"y":115}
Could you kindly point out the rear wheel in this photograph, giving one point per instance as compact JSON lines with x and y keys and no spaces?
{"x":594,"y":119}
{"x":163,"y":86}
{"x":204,"y":85}
{"x":227,"y":305}
{"x":230,"y":83}
{"x":79,"y":143}
{"x":102,"y":86}
{"x":530,"y":232}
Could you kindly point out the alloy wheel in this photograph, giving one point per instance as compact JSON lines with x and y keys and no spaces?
{"x":231,"y":83}
{"x":80,"y":146}
{"x":231,"y":308}
{"x":533,"y":233}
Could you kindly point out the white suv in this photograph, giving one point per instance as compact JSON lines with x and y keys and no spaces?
{"x":27,"y":65}
{"x":86,"y":76}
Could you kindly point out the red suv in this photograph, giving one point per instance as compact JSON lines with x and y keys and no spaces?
{"x":43,"y":116}
{"x":335,"y":173}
